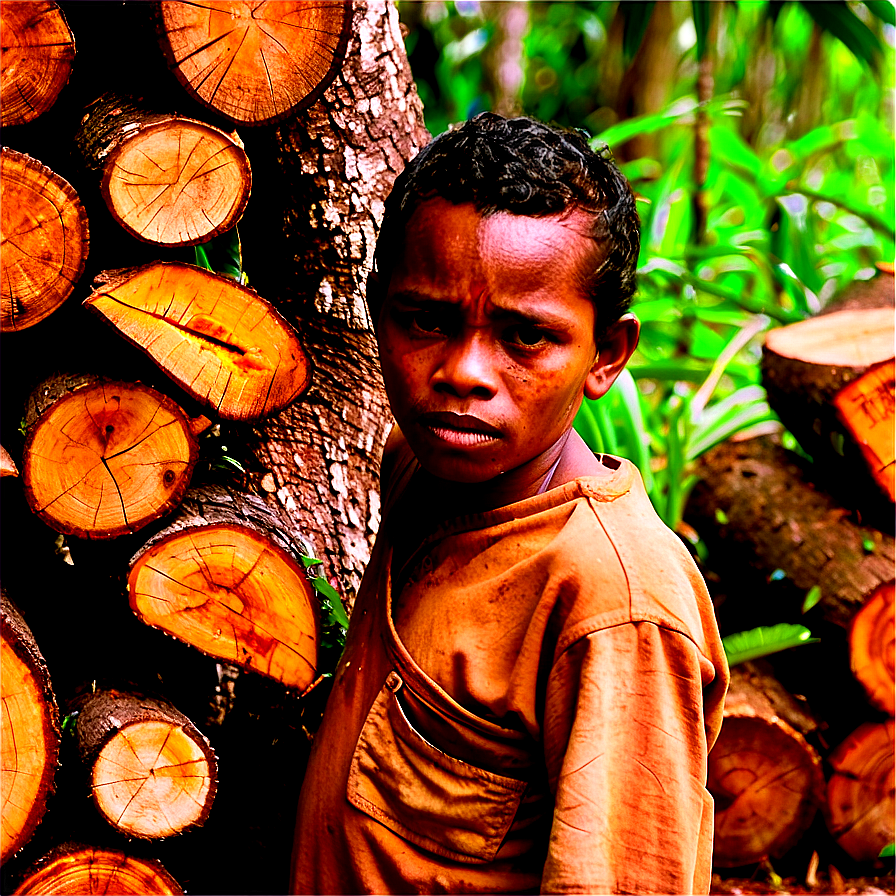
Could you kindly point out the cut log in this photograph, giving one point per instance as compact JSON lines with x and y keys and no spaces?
{"x":227,"y":578}
{"x":45,"y":240}
{"x":860,"y":802}
{"x":73,"y":869}
{"x":871,"y":648}
{"x":777,"y":520}
{"x":7,"y":464}
{"x":152,"y":773}
{"x":29,"y":731}
{"x":255,"y":62}
{"x":221,"y":342}
{"x":102,"y":457}
{"x":166,"y":179}
{"x":38,"y":49}
{"x":830,"y":380}
{"x":765,"y":778}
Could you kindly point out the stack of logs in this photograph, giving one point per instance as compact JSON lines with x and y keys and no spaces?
{"x":106,"y":456}
{"x":807,"y":537}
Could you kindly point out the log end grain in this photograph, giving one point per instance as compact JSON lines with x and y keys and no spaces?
{"x":73,"y":869}
{"x":255,"y":62}
{"x":45,"y":240}
{"x":152,"y":773}
{"x":29,"y":731}
{"x":221,"y":342}
{"x":228,"y":591}
{"x":38,"y":50}
{"x":860,"y":794}
{"x":871,"y":648}
{"x":176,"y":182}
{"x":107,"y":457}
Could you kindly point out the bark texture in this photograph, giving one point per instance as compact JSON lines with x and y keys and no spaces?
{"x":777,"y":519}
{"x":335,"y":167}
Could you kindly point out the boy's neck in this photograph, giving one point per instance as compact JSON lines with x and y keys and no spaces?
{"x":567,"y":459}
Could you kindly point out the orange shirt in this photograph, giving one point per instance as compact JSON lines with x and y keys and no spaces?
{"x":532,"y":711}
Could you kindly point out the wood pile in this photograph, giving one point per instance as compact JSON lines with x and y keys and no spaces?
{"x":804,"y":535}
{"x":127,"y":362}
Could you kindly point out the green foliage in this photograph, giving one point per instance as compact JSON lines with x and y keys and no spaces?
{"x":888,"y":851}
{"x":334,"y":619}
{"x":765,"y":640}
{"x":224,"y":255}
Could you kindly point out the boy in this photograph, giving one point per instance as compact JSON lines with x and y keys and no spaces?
{"x":533,"y":675}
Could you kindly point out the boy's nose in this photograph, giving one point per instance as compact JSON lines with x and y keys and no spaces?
{"x":467,"y":368}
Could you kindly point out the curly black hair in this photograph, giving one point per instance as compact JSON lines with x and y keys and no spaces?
{"x":524,"y":167}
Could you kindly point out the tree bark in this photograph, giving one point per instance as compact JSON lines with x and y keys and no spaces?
{"x":45,"y":240}
{"x":860,"y":802}
{"x":38,"y":50}
{"x":104,"y":457}
{"x":255,"y":62}
{"x":73,"y":869}
{"x":29,"y":732}
{"x":227,"y":578}
{"x":776,"y":519}
{"x":330,"y":172}
{"x":152,"y":773}
{"x":166,"y":179}
{"x":765,"y":778}
{"x":221,"y":342}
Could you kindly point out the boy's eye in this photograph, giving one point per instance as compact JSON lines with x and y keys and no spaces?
{"x":525,"y":334}
{"x":429,"y":322}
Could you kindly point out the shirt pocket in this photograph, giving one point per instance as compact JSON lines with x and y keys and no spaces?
{"x":442,"y":804}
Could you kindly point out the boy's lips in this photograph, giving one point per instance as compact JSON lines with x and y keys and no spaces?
{"x":458,"y":429}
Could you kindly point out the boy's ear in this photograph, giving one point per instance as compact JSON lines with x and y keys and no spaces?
{"x":613,"y":353}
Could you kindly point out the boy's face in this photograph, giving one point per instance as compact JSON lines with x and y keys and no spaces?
{"x":487,"y":340}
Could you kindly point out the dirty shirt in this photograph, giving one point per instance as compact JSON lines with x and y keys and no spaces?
{"x":526,"y":704}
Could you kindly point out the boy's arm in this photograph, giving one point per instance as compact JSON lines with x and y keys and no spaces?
{"x":626,"y":746}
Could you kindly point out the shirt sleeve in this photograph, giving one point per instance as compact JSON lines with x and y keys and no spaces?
{"x":626,"y":752}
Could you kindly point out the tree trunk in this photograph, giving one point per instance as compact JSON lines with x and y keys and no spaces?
{"x":73,"y":869}
{"x":152,"y":773}
{"x":38,"y":49}
{"x":255,"y":62}
{"x":227,"y":577}
{"x":776,"y":519}
{"x":871,"y":648}
{"x":860,"y":803}
{"x":830,"y":380}
{"x":219,"y":341}
{"x":103,"y":457}
{"x":45,"y":240}
{"x":330,"y":172}
{"x":29,"y":731}
{"x":166,"y":179}
{"x":765,"y":778}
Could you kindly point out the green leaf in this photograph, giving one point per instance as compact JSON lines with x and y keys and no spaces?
{"x":310,"y":561}
{"x":888,"y":851}
{"x":701,"y":13}
{"x":813,"y":596}
{"x":885,"y":11}
{"x":202,"y":258}
{"x":323,"y":587}
{"x":757,"y":642}
{"x":637,"y":16}
{"x":835,"y":17}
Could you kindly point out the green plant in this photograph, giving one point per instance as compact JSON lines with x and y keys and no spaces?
{"x":741,"y":647}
